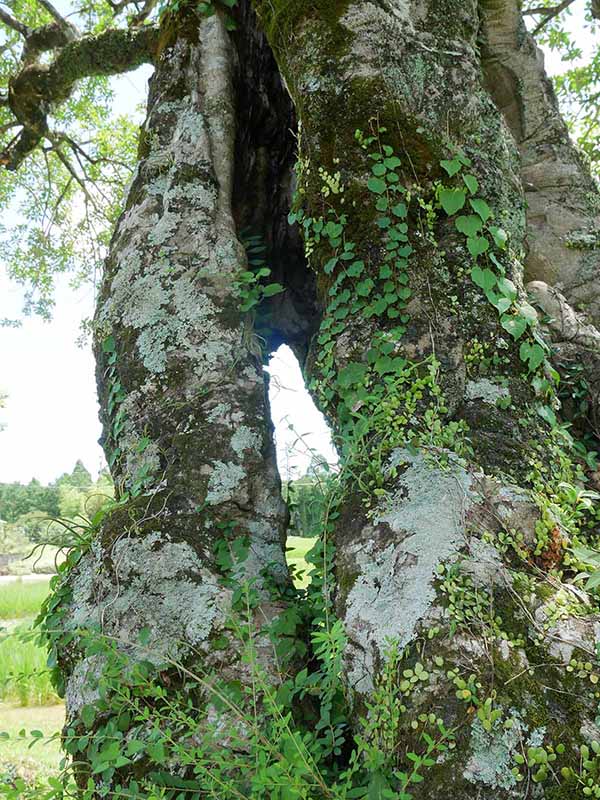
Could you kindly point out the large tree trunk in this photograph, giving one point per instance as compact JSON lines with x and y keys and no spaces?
{"x":454,"y":508}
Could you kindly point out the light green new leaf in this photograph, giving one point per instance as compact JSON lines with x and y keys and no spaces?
{"x":469,"y":225}
{"x":477,"y":245}
{"x":516,"y":326}
{"x":484,"y":278}
{"x":481,"y":207}
{"x":471,"y":183}
{"x":376,"y":185}
{"x":451,"y":167}
{"x":500,"y":236}
{"x":507,"y":288}
{"x":452,"y":200}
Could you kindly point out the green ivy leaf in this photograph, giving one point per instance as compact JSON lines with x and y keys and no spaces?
{"x":502,"y":304}
{"x":88,"y":715}
{"x":379,"y":306}
{"x":333,"y":230}
{"x":481,"y":207}
{"x":355,"y":269}
{"x":364,"y":288}
{"x":532,"y":354}
{"x":500,"y":236}
{"x":477,"y":245}
{"x":469,"y":225}
{"x":451,"y":167}
{"x":393,"y":162}
{"x":516,"y":326}
{"x":471,"y":183}
{"x":529,"y":313}
{"x":400,"y":210}
{"x":548,"y":415}
{"x":379,"y":170}
{"x":452,"y":200}
{"x":507,"y":288}
{"x":108,"y":345}
{"x":484,"y":278}
{"x":376,"y":185}
{"x":272,"y":289}
{"x":352,"y":374}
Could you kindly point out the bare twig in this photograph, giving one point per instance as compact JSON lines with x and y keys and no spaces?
{"x":548,"y":13}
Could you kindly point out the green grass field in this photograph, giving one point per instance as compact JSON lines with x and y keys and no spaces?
{"x":16,"y":756}
{"x":21,"y":599}
{"x":296,"y":550}
{"x":27,"y":699}
{"x":24,"y":678}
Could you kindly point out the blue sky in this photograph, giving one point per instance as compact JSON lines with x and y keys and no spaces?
{"x":51,"y":415}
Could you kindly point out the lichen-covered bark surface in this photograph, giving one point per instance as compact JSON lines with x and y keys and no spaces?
{"x":183,"y":392}
{"x":421,"y":559}
{"x":563,"y":207}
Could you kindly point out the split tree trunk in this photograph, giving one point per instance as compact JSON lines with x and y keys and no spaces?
{"x":452,"y":524}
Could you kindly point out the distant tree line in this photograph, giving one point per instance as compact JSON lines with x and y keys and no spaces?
{"x":27,"y":510}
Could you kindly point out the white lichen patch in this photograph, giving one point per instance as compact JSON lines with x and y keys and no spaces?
{"x":219,"y":414}
{"x":491,"y":755}
{"x":394,"y":591}
{"x":244,"y":439}
{"x":492,"y":752}
{"x":265,"y":551}
{"x":156,"y":584}
{"x":484,"y":565}
{"x":486,"y":390}
{"x":569,"y":633}
{"x":223,"y":483}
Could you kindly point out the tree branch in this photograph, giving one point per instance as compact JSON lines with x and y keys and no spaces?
{"x":47,"y":37}
{"x":548,"y":12}
{"x":13,"y":23}
{"x":39,"y":87}
{"x":58,"y":18}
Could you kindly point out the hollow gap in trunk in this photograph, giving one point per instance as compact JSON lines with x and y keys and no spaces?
{"x":306,"y":456}
{"x":264,"y":181}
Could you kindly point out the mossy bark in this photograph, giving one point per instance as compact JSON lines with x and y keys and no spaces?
{"x":412,"y":78}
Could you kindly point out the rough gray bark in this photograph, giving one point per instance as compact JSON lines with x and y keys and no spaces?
{"x":191,"y":430}
{"x":416,"y":69}
{"x":184,"y":395}
{"x":563,"y":210}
